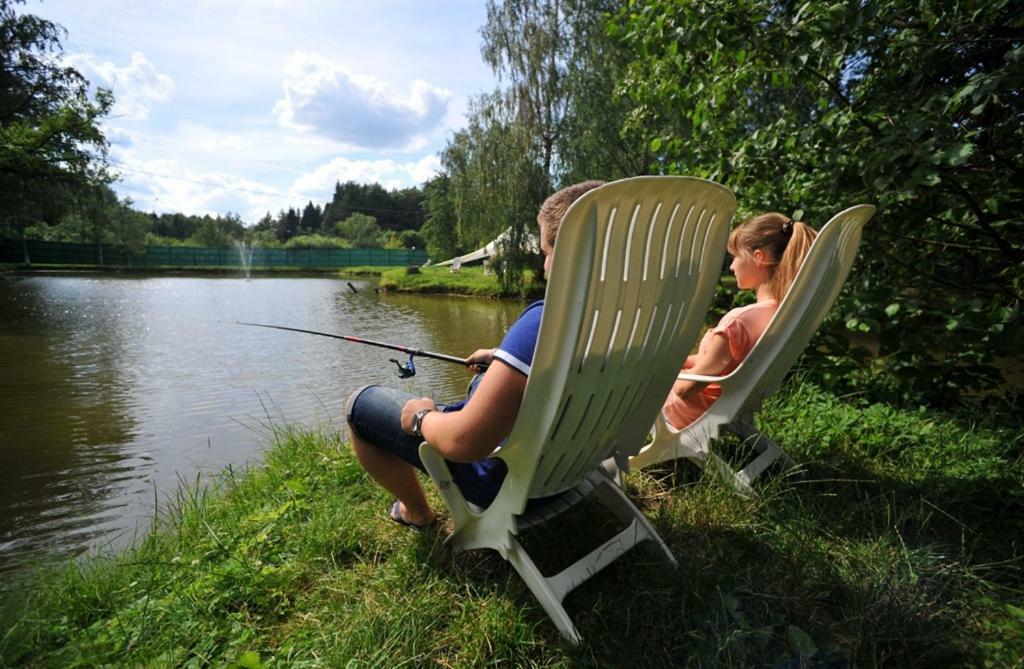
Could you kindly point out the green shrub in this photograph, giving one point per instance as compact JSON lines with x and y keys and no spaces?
{"x":317,"y":242}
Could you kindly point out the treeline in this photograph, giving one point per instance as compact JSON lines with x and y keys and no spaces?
{"x":98,"y":217}
{"x":800,"y":107}
{"x":358,"y":216}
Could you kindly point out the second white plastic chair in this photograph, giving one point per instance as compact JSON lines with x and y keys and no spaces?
{"x":812,"y":294}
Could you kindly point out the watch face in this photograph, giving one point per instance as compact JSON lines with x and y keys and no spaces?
{"x":417,"y":422}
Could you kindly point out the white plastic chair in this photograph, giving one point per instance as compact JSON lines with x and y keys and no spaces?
{"x":636,"y":263}
{"x":812,"y":294}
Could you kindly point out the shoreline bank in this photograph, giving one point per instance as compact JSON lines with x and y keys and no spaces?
{"x":293,"y":562}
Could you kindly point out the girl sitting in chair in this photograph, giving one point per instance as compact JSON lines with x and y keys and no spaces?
{"x":767,"y":251}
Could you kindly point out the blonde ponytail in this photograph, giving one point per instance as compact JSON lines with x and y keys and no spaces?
{"x":785,"y":241}
{"x":801,"y":236}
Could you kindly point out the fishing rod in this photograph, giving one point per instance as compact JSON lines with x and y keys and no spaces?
{"x":404,"y":371}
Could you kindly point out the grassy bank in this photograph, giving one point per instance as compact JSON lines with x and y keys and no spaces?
{"x":363,"y":270}
{"x":467,"y":281}
{"x":897,"y":544}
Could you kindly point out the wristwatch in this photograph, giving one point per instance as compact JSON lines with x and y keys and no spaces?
{"x":417,"y":421}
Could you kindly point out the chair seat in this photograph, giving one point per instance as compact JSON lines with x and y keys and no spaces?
{"x":540,"y":511}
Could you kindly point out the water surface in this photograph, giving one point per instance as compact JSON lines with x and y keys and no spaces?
{"x":113,"y":389}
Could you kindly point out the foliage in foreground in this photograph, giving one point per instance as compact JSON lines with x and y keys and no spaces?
{"x":898,"y":545}
{"x":911,"y":105}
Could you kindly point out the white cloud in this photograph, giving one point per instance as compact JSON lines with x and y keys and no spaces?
{"x":135,"y":85}
{"x":202,"y":138}
{"x":326,"y":99}
{"x":319,"y":184}
{"x":165,"y":186}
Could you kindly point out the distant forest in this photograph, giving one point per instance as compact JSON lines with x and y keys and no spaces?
{"x":358,"y":216}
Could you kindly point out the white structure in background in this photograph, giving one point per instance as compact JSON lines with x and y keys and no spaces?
{"x":490,"y":250}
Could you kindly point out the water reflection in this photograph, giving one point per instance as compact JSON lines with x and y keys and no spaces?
{"x":66,"y":413}
{"x":116,"y":387}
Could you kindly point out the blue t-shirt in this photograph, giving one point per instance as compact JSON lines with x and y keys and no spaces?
{"x":481,"y":480}
{"x":516,"y":349}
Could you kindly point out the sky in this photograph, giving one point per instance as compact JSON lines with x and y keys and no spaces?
{"x":256,"y":106}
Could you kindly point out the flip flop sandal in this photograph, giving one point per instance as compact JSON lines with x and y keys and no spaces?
{"x":395,"y":514}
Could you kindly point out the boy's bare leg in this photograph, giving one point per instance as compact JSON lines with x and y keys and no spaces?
{"x":397,"y":477}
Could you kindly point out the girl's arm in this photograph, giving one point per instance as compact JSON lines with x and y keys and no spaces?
{"x":713,"y":360}
{"x":474,"y":432}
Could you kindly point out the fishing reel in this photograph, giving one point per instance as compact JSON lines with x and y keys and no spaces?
{"x":407,"y":370}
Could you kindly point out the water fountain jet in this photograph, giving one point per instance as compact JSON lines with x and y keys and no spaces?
{"x":245,"y":253}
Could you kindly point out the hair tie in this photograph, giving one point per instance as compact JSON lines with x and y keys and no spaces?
{"x":787,"y":228}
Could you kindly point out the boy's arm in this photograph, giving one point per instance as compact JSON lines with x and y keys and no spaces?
{"x":474,"y":432}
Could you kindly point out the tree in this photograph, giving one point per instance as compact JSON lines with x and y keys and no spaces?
{"x":287,"y":224}
{"x":525,"y":43}
{"x":309,"y":223}
{"x":411,"y":239}
{"x":494,"y":186}
{"x":266,"y":223}
{"x":561,"y":65}
{"x":440,"y":230}
{"x":98,"y":218}
{"x":393,"y":210}
{"x":127,"y":228}
{"x":51,"y":147}
{"x":595,"y":141}
{"x":210,"y":235}
{"x":362,"y":231}
{"x":549,"y":53}
{"x":915,"y":107}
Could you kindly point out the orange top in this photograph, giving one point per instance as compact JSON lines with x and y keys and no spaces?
{"x":741,"y":327}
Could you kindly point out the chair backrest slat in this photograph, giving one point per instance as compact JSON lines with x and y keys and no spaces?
{"x":635,"y":267}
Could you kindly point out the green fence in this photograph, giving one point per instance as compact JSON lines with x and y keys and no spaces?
{"x":59,"y":253}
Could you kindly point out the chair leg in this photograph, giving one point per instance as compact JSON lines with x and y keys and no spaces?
{"x":438,"y":470}
{"x":613,"y":498}
{"x":542,"y":590}
{"x":739,"y":482}
{"x":767,"y":449}
{"x":550,"y":591}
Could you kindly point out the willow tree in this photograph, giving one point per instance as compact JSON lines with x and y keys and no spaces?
{"x":526,"y":44}
{"x":439,"y":229}
{"x":494,"y":187}
{"x":558,"y":66}
{"x":914,"y":106}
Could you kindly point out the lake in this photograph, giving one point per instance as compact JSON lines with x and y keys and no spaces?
{"x":116,"y":389}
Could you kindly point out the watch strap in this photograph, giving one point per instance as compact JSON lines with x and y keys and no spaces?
{"x":417,"y":421}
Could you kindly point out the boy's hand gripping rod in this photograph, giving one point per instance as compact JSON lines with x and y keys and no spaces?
{"x":404,"y":371}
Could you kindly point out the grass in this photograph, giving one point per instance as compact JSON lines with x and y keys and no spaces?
{"x":896,"y":544}
{"x":364,"y":270}
{"x":467,"y":281}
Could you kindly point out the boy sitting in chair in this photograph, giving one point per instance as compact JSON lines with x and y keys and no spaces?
{"x":387,"y":425}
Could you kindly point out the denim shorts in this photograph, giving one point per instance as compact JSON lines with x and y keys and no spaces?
{"x":375,"y":413}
